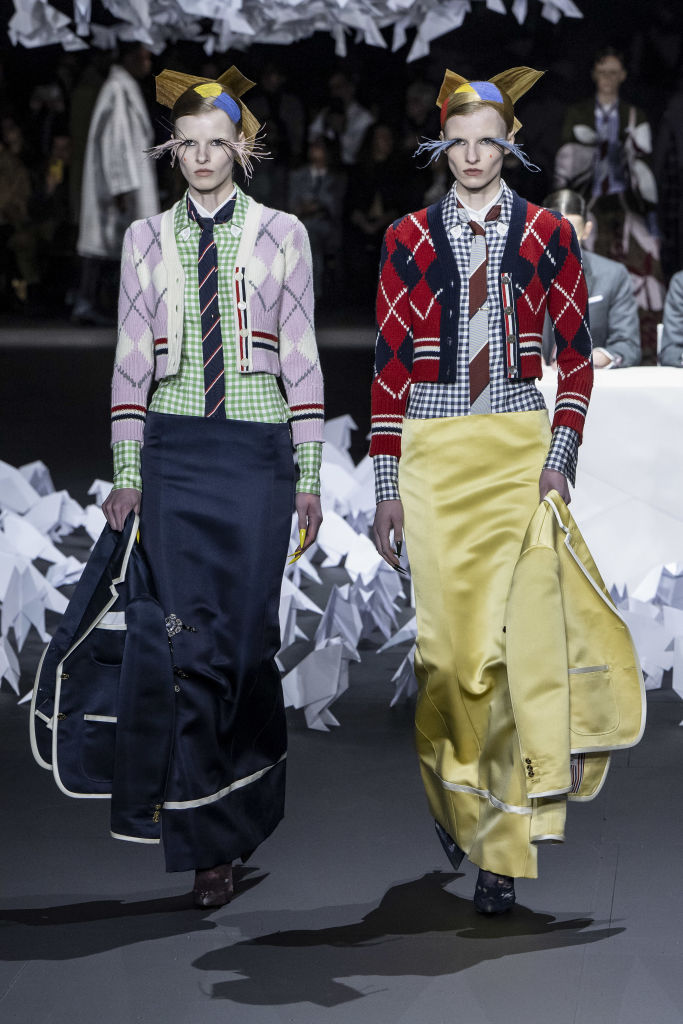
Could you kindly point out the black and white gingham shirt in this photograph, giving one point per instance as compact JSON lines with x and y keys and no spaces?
{"x":435,"y":400}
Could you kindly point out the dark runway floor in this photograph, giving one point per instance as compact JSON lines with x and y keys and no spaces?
{"x":349,"y":914}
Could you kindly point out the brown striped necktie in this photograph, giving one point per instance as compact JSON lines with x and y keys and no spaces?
{"x":480,"y":381}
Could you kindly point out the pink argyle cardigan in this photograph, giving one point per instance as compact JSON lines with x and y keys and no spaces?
{"x":273,"y":310}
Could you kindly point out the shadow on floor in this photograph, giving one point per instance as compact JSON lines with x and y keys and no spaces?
{"x":82,"y":929}
{"x":417,"y":929}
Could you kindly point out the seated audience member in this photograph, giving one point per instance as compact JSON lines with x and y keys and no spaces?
{"x":612,"y":308}
{"x":352,"y":119}
{"x":376,"y":194}
{"x":671,"y":350}
{"x":316,"y":196}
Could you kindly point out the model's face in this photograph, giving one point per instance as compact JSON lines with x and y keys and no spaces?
{"x":608,"y":74}
{"x":205,"y":160}
{"x":475,"y":160}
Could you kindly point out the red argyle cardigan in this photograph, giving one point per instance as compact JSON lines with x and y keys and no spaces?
{"x":418,"y":302}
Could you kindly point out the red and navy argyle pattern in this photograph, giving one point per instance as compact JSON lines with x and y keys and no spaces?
{"x":418,"y":309}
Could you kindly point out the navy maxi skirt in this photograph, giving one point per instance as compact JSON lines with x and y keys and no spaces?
{"x":217,"y":500}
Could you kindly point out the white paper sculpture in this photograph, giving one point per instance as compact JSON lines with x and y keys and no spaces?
{"x":238,"y":23}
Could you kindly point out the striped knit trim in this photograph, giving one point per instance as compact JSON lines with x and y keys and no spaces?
{"x":308,"y":411}
{"x":128,"y":412}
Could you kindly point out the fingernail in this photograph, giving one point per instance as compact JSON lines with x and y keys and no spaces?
{"x":302,"y":537}
{"x":399,"y":547}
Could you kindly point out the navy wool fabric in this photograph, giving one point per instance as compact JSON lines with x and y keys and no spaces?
{"x":215,"y":522}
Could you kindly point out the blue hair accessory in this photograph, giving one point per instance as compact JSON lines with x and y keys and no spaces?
{"x":228,"y":104}
{"x":487,"y":91}
{"x":435,"y":147}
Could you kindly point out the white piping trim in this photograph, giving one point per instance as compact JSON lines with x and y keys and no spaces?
{"x":134,"y":839}
{"x":32,"y":717}
{"x":180,"y":805}
{"x":615,"y":611}
{"x":548,"y":839}
{"x":44,"y":718}
{"x":113,"y":619}
{"x":79,"y":640}
{"x":100,"y":718}
{"x":498,"y":804}
{"x":589,"y":668}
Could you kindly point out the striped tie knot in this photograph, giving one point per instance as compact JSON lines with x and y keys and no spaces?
{"x":206,"y":223}
{"x":493,"y":214}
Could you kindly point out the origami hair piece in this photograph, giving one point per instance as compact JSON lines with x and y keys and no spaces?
{"x":501,"y":92}
{"x":225,"y":93}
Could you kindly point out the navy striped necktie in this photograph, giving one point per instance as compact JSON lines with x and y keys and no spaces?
{"x":212,"y":340}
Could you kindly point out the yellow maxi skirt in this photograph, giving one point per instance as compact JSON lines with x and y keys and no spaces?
{"x":469,"y":486}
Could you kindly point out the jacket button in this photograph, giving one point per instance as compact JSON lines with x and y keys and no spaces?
{"x":176,"y":688}
{"x":241,"y":305}
{"x":509,"y":310}
{"x":244,"y":364}
{"x":527,"y":760}
{"x":511,"y":339}
{"x":244,"y":333}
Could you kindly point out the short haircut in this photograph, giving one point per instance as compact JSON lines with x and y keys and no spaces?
{"x":566,"y":202}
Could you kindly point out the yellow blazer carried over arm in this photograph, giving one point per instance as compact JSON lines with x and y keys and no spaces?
{"x":575,"y":679}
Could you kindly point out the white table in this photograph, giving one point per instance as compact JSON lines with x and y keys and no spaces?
{"x":628,"y":499}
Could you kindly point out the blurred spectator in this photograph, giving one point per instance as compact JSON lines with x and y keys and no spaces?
{"x":612,"y":309}
{"x":344,"y":119}
{"x":119,"y":181}
{"x":316,"y":196}
{"x":81,"y":106}
{"x":270,"y":182}
{"x":669,"y":175}
{"x":276,"y":108}
{"x":656,"y":55}
{"x":376,"y":195}
{"x":671,"y":349}
{"x":605,"y":153}
{"x":15,"y":194}
{"x":420,"y":116}
{"x":420,"y":121}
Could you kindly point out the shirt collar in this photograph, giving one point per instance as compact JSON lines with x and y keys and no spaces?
{"x":504,"y":198}
{"x":203,"y":212}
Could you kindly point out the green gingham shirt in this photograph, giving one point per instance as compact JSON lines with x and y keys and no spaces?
{"x":248,"y":396}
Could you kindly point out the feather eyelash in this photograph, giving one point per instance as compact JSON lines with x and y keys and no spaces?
{"x":170,"y":146}
{"x":243,"y":150}
{"x":435,"y":147}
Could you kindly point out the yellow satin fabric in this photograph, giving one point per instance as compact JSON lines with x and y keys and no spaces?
{"x":469,"y":487}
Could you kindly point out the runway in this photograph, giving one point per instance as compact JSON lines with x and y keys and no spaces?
{"x":349,"y":914}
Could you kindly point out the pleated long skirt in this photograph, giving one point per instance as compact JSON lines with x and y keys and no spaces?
{"x":469,"y":487}
{"x":215,"y":521}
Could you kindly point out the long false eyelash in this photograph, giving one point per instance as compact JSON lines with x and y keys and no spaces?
{"x":246,"y":150}
{"x":170,"y":146}
{"x":435,"y":147}
{"x":518,"y":152}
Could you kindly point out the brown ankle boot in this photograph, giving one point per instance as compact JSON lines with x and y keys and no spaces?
{"x":213,"y":886}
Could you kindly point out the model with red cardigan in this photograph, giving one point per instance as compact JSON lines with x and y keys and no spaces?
{"x":418,"y":300}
